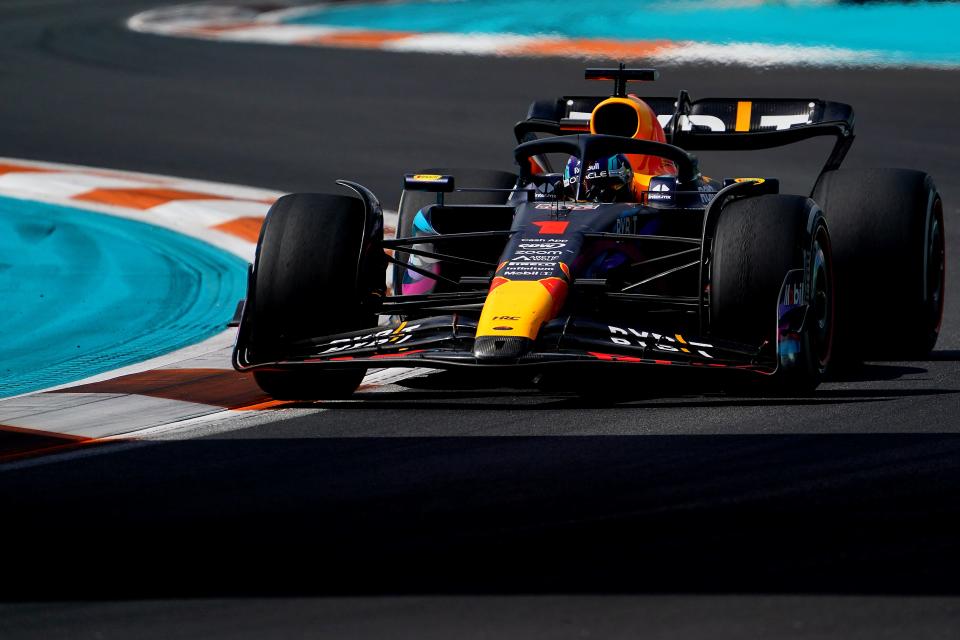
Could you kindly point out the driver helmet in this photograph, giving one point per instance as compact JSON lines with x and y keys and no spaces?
{"x":605,"y":180}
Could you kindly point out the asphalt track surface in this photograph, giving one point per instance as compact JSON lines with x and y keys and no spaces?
{"x":458,"y":506}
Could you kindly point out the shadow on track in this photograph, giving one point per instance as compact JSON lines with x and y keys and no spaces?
{"x":626,"y":381}
{"x":610,"y":388}
{"x":398,"y":515}
{"x":457,"y":485}
{"x":946,"y":355}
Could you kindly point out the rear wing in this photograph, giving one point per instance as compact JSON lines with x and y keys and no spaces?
{"x":711,"y":124}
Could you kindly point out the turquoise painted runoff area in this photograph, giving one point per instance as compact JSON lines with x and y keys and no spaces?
{"x":84,"y":293}
{"x":917,"y":32}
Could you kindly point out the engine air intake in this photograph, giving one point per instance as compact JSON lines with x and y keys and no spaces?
{"x":616,"y":119}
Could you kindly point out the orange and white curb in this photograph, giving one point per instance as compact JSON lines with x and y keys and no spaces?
{"x":244,"y":24}
{"x":173,"y":391}
{"x":227,"y":216}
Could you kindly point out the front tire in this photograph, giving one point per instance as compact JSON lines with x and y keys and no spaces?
{"x":312,"y":277}
{"x":757,"y":241}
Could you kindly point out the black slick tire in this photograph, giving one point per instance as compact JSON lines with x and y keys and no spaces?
{"x":888,"y":243}
{"x":309,"y":280}
{"x":757,"y":241}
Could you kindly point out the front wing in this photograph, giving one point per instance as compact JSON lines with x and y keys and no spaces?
{"x":448,"y":342}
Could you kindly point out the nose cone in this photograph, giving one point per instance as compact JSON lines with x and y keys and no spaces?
{"x":513,"y":314}
{"x":495,"y":348}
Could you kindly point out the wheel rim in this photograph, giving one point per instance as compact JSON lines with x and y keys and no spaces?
{"x":821,"y":299}
{"x":935,"y":277}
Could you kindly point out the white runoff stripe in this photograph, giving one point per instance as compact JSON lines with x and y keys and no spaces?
{"x":765,"y":55}
{"x":459,"y":43}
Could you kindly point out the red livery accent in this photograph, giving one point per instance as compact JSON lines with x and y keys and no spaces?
{"x":552,"y":227}
{"x":381,"y":356}
{"x":558,"y":291}
{"x":612,"y":358}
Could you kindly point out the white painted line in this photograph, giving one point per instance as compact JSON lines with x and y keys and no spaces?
{"x":98,"y":415}
{"x":214,"y":349}
{"x":38,"y":404}
{"x":279,"y":34}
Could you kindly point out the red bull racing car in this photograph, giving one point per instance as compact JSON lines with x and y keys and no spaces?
{"x":608,"y":247}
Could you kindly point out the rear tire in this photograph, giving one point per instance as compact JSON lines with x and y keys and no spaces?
{"x":888,"y":243}
{"x":310,"y":279}
{"x":757,"y":241}
{"x":411,"y":202}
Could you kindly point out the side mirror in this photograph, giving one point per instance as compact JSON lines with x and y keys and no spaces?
{"x":431,"y":182}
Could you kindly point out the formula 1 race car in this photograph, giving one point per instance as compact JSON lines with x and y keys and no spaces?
{"x":627,"y":257}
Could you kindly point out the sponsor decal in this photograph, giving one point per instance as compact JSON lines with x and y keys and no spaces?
{"x":571,"y":177}
{"x":793,"y":294}
{"x":395,"y":336}
{"x":581,"y":206}
{"x":427,"y":177}
{"x":715,"y":124}
{"x":593,"y":175}
{"x":546,"y":191}
{"x":687,"y":123}
{"x":530,"y":270}
{"x":536,"y":243}
{"x":626,"y":225}
{"x":505,"y":318}
{"x":659,"y":191}
{"x":706,"y":193}
{"x":784,"y":122}
{"x":628,"y":337}
{"x":757,"y":180}
{"x":535,"y":257}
